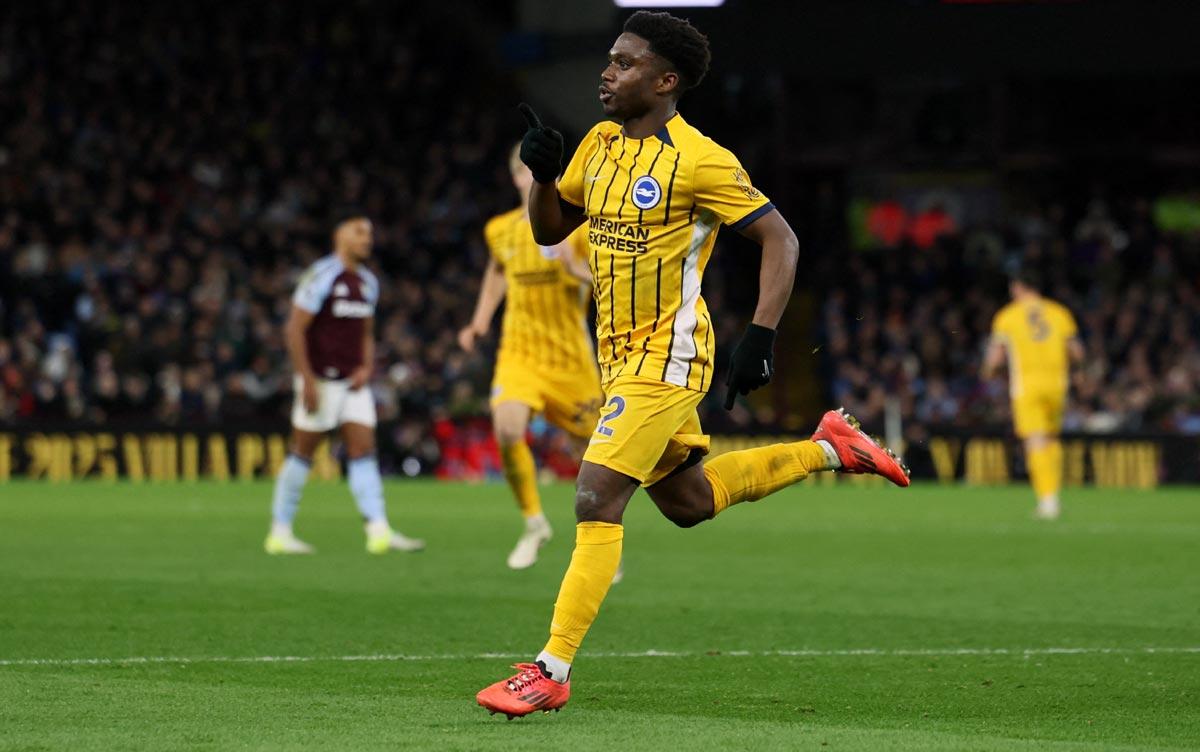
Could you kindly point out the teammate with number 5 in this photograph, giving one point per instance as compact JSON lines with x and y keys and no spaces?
{"x":1041,"y":340}
{"x":653,"y":192}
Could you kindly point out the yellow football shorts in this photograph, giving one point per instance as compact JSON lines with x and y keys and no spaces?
{"x":1038,"y":413}
{"x":569,"y":400}
{"x":646,"y":428}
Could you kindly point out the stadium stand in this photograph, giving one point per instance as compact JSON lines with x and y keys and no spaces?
{"x":146,"y":262}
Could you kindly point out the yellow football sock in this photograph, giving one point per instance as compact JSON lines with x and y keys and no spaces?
{"x":595,"y":561}
{"x":1045,"y":469}
{"x":1055,"y":462}
{"x":521,"y":474}
{"x":751,"y":474}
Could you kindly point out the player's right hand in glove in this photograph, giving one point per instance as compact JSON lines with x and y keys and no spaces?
{"x":542,"y":147}
{"x":751,"y":364}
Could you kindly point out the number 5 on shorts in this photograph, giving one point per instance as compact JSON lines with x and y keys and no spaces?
{"x":618,"y":406}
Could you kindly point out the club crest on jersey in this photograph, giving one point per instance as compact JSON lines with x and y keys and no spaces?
{"x":646,"y":192}
{"x":341,"y":290}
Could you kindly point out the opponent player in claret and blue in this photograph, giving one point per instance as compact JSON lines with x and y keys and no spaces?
{"x":653,"y":192}
{"x":331,"y":340}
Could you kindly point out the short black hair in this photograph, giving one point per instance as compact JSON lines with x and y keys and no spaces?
{"x":1031,"y":278}
{"x":676,"y":41}
{"x":347,"y":213}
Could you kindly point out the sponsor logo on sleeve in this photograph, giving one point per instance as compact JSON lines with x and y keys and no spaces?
{"x":743,"y":181}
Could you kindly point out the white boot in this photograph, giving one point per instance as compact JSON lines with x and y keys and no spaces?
{"x":1047,"y":508}
{"x":525,"y":553}
{"x":281,"y":540}
{"x":381,"y":538}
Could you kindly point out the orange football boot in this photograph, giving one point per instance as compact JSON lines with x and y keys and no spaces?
{"x":858,"y":452}
{"x":524,"y":693}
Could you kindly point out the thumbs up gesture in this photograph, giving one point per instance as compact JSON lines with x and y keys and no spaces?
{"x":542,"y":147}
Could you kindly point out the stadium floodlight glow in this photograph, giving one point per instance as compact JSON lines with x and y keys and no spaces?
{"x":668,"y":3}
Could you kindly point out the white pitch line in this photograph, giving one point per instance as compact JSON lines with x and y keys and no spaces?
{"x":799,"y":653}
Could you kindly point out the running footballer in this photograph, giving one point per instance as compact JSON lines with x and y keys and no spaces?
{"x":653,"y":192}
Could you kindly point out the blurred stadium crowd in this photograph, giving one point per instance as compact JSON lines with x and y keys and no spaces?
{"x":911,"y":323}
{"x":158,"y":202}
{"x":164,"y":179}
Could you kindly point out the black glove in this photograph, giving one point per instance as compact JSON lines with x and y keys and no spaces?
{"x":752,"y":363}
{"x":542,"y":147}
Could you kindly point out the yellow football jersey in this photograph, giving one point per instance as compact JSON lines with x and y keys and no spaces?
{"x":545,"y":314}
{"x":1035,"y":335}
{"x":653,"y":207}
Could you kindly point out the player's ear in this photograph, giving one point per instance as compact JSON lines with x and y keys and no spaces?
{"x":668,"y":83}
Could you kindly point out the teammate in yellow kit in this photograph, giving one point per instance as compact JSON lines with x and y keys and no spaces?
{"x":545,"y":363}
{"x":652,"y":192}
{"x":1041,"y":341}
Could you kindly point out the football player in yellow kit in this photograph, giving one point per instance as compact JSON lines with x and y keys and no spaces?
{"x":545,"y":363}
{"x":1041,"y":341}
{"x":652,"y":192}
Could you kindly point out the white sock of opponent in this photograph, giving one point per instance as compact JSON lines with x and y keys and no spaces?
{"x":289,"y":485}
{"x":367,"y":487}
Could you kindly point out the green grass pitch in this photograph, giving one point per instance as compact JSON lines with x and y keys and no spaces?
{"x":824,"y":618}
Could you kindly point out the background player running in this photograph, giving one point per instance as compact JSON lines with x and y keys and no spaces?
{"x":653,"y":191}
{"x":545,"y":362}
{"x":1041,"y":340}
{"x":330,"y":337}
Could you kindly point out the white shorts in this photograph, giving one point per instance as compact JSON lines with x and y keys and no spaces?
{"x":337,"y":403}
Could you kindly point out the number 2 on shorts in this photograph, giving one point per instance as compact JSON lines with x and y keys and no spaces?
{"x":618,"y":406}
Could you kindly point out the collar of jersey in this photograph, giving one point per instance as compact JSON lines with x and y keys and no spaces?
{"x":663,"y":134}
